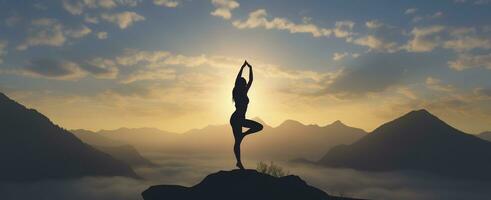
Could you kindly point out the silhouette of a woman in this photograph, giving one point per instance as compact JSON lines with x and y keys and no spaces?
{"x":238,"y":119}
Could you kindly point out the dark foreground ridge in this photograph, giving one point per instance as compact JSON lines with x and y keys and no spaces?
{"x":33,"y":148}
{"x":238,"y":185}
{"x":417,"y":141}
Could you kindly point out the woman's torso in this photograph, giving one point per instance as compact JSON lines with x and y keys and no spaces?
{"x":241,"y":102}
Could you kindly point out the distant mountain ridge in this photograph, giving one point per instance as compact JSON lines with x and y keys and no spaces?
{"x":289,"y":140}
{"x":115,"y":148}
{"x":33,"y":148}
{"x":416,"y":141}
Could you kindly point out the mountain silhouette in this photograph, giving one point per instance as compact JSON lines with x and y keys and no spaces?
{"x":240,"y":185}
{"x":485,"y":135}
{"x":33,"y":148}
{"x":96,"y":139}
{"x":303,"y":141}
{"x":416,"y":141}
{"x":116,"y":149}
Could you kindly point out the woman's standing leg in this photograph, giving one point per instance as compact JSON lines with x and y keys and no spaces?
{"x":238,"y":136}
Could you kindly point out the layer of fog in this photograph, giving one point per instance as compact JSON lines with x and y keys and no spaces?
{"x":190,"y":169}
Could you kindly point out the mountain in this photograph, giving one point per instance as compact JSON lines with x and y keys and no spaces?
{"x":416,"y":141}
{"x":95,"y":139}
{"x":485,"y":135}
{"x":289,"y":140}
{"x":292,"y":139}
{"x":33,"y":148}
{"x":240,"y":185}
{"x":116,"y":149}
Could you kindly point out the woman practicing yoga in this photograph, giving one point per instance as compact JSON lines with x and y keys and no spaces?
{"x":238,"y":119}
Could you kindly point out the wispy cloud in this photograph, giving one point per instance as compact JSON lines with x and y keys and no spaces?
{"x":435,"y":15}
{"x":424,"y":39}
{"x":77,"y":7}
{"x":166,"y":3}
{"x":467,"y":61}
{"x":373,"y":24}
{"x":150,"y":74}
{"x":341,"y":55}
{"x":51,"y":32}
{"x":224,"y":8}
{"x":53,"y":69}
{"x":377,"y":44}
{"x":410,"y":11}
{"x":436,"y":84}
{"x":62,"y":69}
{"x":102,"y":35}
{"x":259,"y":19}
{"x":78,"y":32}
{"x":45,"y":31}
{"x":122,"y":19}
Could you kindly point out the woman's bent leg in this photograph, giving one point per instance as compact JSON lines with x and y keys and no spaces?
{"x":253,"y":126}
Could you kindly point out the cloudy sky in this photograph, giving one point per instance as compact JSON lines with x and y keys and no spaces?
{"x":170,"y":64}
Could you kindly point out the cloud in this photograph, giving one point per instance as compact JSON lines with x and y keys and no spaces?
{"x":373,"y":24}
{"x":467,"y":61}
{"x":3,"y":49}
{"x":61,"y":69}
{"x":91,"y":19}
{"x":78,"y":33}
{"x":259,"y":19}
{"x":410,"y":11}
{"x":467,"y":43}
{"x":50,"y":32}
{"x":73,"y":7}
{"x":138,"y":65}
{"x":224,"y":8}
{"x":435,"y":15}
{"x":436,"y":84}
{"x":424,"y":39}
{"x":44,"y":31}
{"x":53,"y":69}
{"x":152,"y":74}
{"x":102,"y":35}
{"x":166,"y":3}
{"x":123,"y":19}
{"x":339,"y":56}
{"x":77,"y":7}
{"x":483,"y":93}
{"x":466,"y":39}
{"x":343,"y":29}
{"x":375,"y":73}
{"x":101,"y":68}
{"x":377,"y":44}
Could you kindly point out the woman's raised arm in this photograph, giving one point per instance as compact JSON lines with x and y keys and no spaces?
{"x":240,"y":72}
{"x":251,"y":77}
